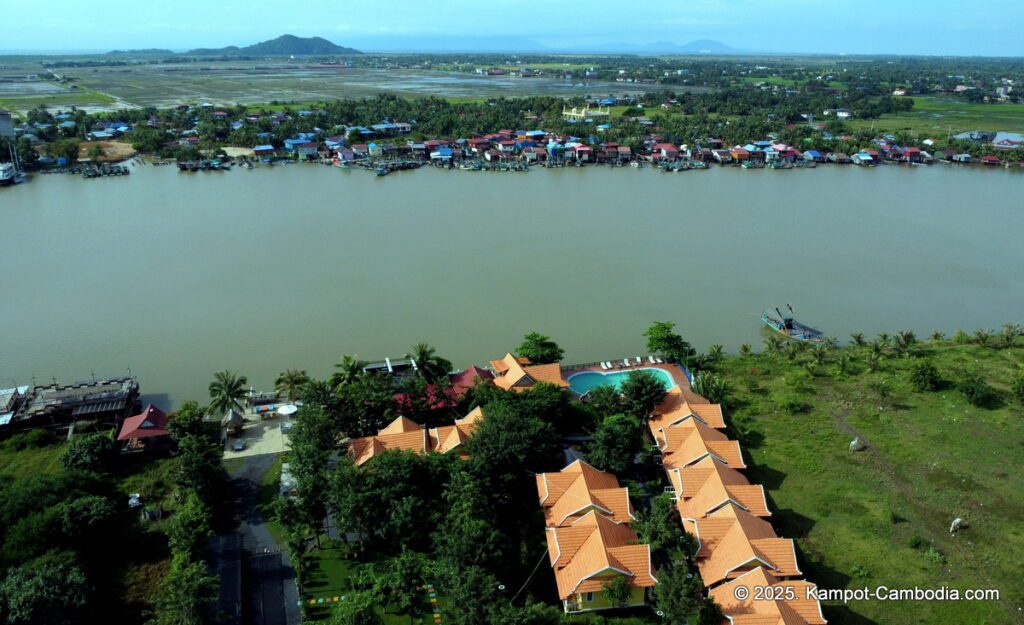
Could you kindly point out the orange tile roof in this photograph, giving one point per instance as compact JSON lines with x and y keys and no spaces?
{"x":595,"y":545}
{"x":363,"y":449}
{"x":505,"y":362}
{"x":578,"y":489}
{"x":517,"y":373}
{"x":732,"y":541}
{"x":693,"y":440}
{"x":802,"y":609}
{"x":405,"y":434}
{"x":679,"y":405}
{"x":707,"y":485}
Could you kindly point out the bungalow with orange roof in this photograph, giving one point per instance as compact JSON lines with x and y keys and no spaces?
{"x":768,"y":600}
{"x":406,"y":435}
{"x":591,"y":553}
{"x":680,"y":405}
{"x":516,"y":373}
{"x":708,"y":485}
{"x":731,"y":541}
{"x":579,"y":489}
{"x":693,"y":440}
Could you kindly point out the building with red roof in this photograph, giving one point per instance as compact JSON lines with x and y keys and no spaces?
{"x":147,"y":429}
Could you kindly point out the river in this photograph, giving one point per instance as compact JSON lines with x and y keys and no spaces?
{"x":179,"y":275}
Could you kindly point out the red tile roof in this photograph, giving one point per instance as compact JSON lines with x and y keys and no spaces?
{"x":149,"y":423}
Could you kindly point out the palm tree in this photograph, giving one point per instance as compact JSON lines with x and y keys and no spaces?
{"x":857,"y":338}
{"x":793,"y":349}
{"x":938,"y":336}
{"x":348,"y":369}
{"x":431,"y":366}
{"x":820,"y":354}
{"x":905,"y":341}
{"x":961,"y":336}
{"x":227,"y":391}
{"x":874,"y":361}
{"x":772,"y":344}
{"x":715,"y":352}
{"x":883,"y":338}
{"x":291,"y":382}
{"x":843,"y":364}
{"x":746,"y":349}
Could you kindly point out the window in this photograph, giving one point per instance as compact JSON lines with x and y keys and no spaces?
{"x":588,"y":597}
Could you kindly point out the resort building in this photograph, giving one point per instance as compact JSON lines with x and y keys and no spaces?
{"x":145,"y":431}
{"x":407,"y":435}
{"x":788,"y":602}
{"x":584,"y":113}
{"x":590,"y":554}
{"x":579,"y":489}
{"x":727,"y":515}
{"x":732,"y":541}
{"x":516,"y":373}
{"x":590,"y":543}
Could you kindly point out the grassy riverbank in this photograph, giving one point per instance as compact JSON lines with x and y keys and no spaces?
{"x":882,"y":516}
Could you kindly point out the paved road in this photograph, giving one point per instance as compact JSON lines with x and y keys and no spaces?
{"x":270,"y":596}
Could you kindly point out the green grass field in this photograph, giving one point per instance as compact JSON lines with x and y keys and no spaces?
{"x":882,"y":516}
{"x":937,"y":117}
{"x":331,"y":576}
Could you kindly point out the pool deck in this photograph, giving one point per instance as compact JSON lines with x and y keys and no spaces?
{"x":673,"y":370}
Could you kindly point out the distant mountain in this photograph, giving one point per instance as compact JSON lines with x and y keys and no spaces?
{"x":147,"y":51}
{"x":285,"y":45}
{"x":701,"y":46}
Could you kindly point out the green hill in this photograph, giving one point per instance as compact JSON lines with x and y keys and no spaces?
{"x":285,"y":45}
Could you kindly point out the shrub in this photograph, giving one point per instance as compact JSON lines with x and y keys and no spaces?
{"x":32,"y":439}
{"x":93,"y":452}
{"x":976,"y":389}
{"x":924,"y":376}
{"x":1018,"y":386}
{"x":917,"y":542}
{"x":791,"y":403}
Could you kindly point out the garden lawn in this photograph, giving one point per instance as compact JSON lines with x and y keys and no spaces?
{"x":331,"y":575}
{"x":882,"y":516}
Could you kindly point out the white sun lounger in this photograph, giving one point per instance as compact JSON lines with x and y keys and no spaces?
{"x":639,"y":360}
{"x":625,"y":362}
{"x":651,"y":360}
{"x":658,"y":360}
{"x":610,"y":364}
{"x":604,"y":365}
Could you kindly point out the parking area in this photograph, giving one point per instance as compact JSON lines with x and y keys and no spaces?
{"x":259,"y":436}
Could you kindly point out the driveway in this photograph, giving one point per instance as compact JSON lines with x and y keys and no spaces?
{"x":269,"y":593}
{"x":260,"y":437}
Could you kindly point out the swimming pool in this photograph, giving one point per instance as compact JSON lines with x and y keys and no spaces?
{"x":585,"y":381}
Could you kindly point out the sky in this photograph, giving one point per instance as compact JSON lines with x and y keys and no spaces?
{"x":932,"y":27}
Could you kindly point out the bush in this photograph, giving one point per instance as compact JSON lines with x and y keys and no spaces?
{"x":924,"y":376}
{"x":791,"y":403}
{"x":976,"y":389}
{"x":33,"y":439}
{"x":93,"y":452}
{"x":1018,"y":386}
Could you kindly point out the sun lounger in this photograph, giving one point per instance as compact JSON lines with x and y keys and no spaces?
{"x":625,"y":362}
{"x":658,"y":360}
{"x":611,"y":365}
{"x":639,"y":360}
{"x":651,"y":360}
{"x":604,"y":365}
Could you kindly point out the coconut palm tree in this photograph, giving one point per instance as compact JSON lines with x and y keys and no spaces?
{"x":291,"y":382}
{"x":905,"y":341}
{"x":227,"y":391}
{"x":746,"y":349}
{"x":883,"y":338}
{"x":715,"y":352}
{"x":874,"y":361}
{"x":857,"y":338}
{"x":431,"y":366}
{"x":772,"y":344}
{"x":938,"y":336}
{"x":348,"y":369}
{"x":843,"y":364}
{"x":820,"y":354}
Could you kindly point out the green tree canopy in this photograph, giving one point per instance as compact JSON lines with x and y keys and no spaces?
{"x":540,"y":349}
{"x":642,"y":391}
{"x":616,"y":442}
{"x":92,"y":452}
{"x":50,"y":590}
{"x":662,"y":339}
{"x":291,"y":382}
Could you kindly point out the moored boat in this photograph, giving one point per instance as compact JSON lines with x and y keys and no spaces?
{"x":790,"y":327}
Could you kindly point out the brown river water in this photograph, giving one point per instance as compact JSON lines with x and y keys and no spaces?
{"x":179,"y":275}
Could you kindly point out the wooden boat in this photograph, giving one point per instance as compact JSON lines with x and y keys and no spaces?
{"x":790,"y":327}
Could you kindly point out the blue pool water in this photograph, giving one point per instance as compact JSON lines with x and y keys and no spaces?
{"x":587,"y":380}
